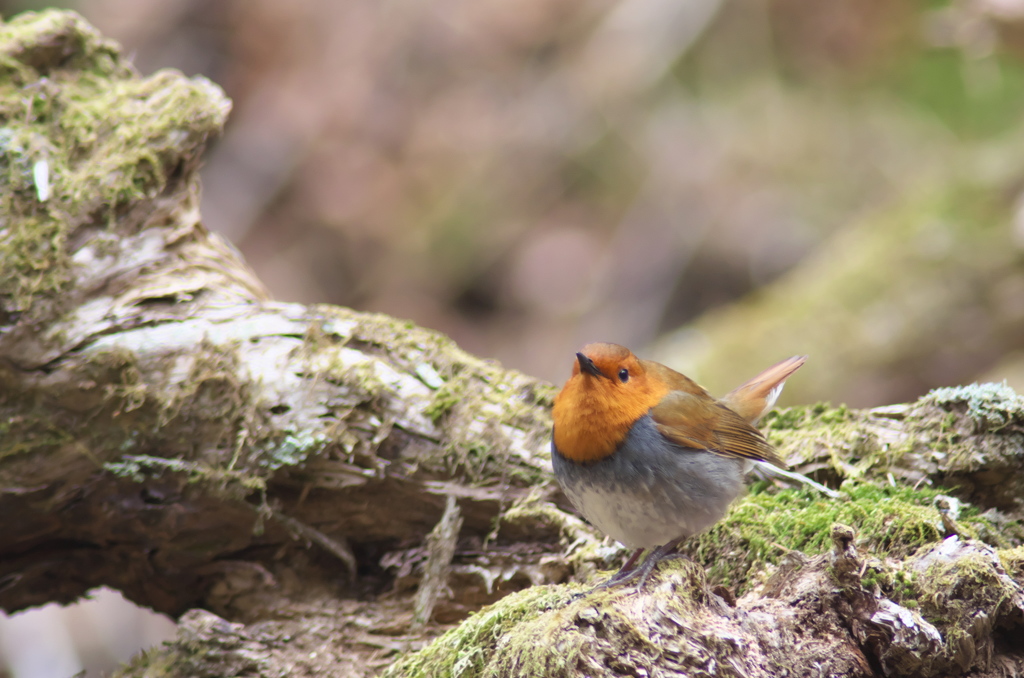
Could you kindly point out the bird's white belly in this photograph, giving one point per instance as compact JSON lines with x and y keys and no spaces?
{"x":641,"y":520}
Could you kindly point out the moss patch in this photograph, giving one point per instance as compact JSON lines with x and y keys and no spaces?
{"x":798,"y":418}
{"x":546,"y":632}
{"x":966,"y":438}
{"x":485,"y":411}
{"x":838,"y":436}
{"x":762,"y":527}
{"x":465,"y":651}
{"x":445,"y":399}
{"x":220,"y":482}
{"x":962,"y":588}
{"x":74,"y":117}
{"x":956,"y":589}
{"x":1013,"y":562}
{"x":991,"y":407}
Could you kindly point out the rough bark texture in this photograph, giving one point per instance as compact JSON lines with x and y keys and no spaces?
{"x":166,"y":428}
{"x":271,"y":472}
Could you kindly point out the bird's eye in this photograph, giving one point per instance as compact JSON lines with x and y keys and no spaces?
{"x":623,"y":375}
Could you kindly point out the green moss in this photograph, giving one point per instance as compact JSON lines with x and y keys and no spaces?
{"x":466,"y":392}
{"x":501,"y":406}
{"x":948,"y":429}
{"x":465,"y":651}
{"x":445,"y":399}
{"x":533,"y":519}
{"x":132,"y":160}
{"x":1013,"y":562}
{"x":32,"y":246}
{"x":963,"y":588}
{"x":822,"y":432}
{"x":51,"y":43}
{"x":990,"y":406}
{"x":154,"y":662}
{"x":796,"y":418}
{"x":362,"y":377}
{"x":106,"y":137}
{"x":24,"y":435}
{"x":762,"y":527}
{"x":554,"y":632}
{"x":483,"y":405}
{"x":291,"y":449}
{"x":223,"y":482}
{"x":901,"y":586}
{"x":123,"y":385}
{"x":210,"y":396}
{"x":540,"y":516}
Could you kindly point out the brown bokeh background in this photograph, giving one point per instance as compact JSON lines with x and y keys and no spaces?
{"x":529,"y":176}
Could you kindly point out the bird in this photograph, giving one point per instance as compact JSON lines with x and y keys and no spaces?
{"x":648,"y":456}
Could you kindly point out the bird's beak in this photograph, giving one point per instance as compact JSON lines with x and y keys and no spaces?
{"x":587,"y":365}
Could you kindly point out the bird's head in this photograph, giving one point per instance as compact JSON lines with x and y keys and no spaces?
{"x":609,"y":390}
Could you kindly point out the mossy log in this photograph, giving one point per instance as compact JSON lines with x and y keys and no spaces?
{"x":281,"y":477}
{"x":165,"y":425}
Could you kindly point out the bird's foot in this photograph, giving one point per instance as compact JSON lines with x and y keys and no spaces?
{"x":627,"y":575}
{"x":649,"y":569}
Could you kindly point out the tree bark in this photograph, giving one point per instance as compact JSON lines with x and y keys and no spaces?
{"x":269,"y":473}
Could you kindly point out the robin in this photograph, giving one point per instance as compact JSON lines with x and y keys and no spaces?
{"x":651,"y":458}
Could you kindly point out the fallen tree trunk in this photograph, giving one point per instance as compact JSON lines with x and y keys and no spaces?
{"x":271,"y":472}
{"x":166,"y":425}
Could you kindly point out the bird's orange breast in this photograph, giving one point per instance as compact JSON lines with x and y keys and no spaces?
{"x":592,"y":416}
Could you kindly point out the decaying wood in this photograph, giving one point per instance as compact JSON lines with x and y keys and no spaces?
{"x":167,"y":427}
{"x":271,"y":472}
{"x":441,"y":543}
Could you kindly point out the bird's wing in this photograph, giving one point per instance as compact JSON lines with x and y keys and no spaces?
{"x":690,"y":420}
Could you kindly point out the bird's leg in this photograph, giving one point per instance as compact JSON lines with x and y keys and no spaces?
{"x":625,"y":572}
{"x":663,"y":552}
{"x":630,"y":563}
{"x":629,"y":572}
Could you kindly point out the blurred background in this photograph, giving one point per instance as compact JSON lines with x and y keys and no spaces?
{"x":718,"y":184}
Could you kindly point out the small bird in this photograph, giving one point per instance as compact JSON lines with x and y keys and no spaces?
{"x":648,"y":456}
